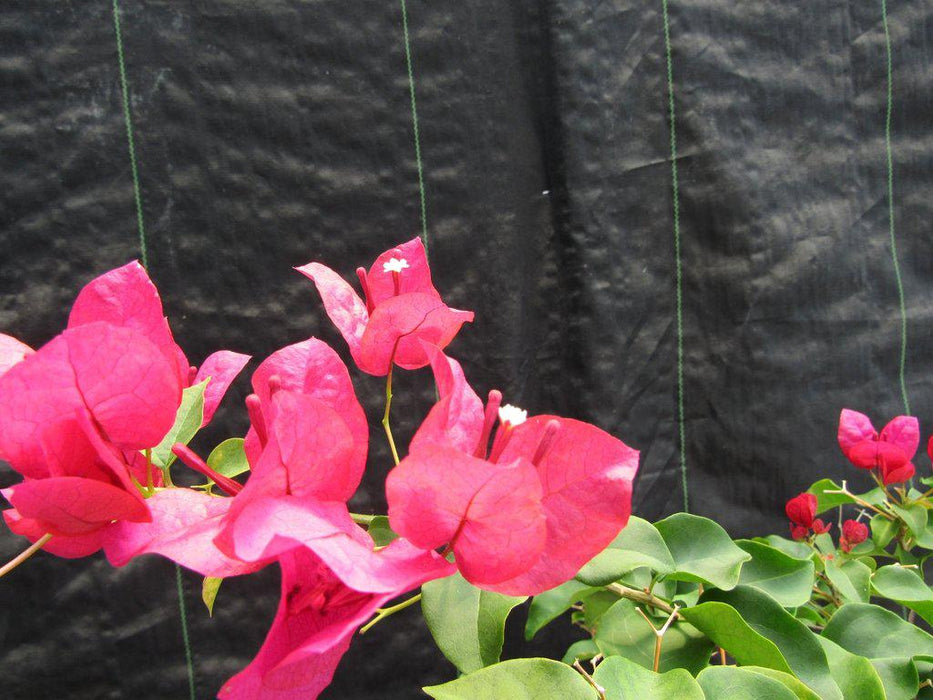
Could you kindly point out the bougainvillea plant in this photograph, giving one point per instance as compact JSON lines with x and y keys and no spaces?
{"x":487,"y":508}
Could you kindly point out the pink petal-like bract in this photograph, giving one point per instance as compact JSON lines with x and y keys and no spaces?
{"x":490,"y":514}
{"x":414,"y":278}
{"x":457,"y":418}
{"x":222,"y":368}
{"x":70,"y":505}
{"x":801,"y":509}
{"x":402,"y":308}
{"x":318,"y":613}
{"x":183,"y":527}
{"x":904,"y":433}
{"x":343,"y":305}
{"x":113,"y":373}
{"x":65,"y":546}
{"x":587,"y":477}
{"x":12,"y":352}
{"x":126,"y":297}
{"x":268,"y":528}
{"x":398,"y":326}
{"x":313,"y":368}
{"x":854,"y":427}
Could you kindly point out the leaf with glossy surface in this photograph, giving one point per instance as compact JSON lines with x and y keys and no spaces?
{"x":734,"y":683}
{"x":827,"y":501}
{"x":855,"y":676}
{"x":551,"y":604}
{"x":797,"y":644}
{"x":623,"y":632}
{"x":702,"y":551}
{"x":187,"y":423}
{"x":786,"y":579}
{"x":882,"y":530}
{"x":638,"y":545}
{"x":518,"y":679}
{"x":850,"y":579}
{"x":625,"y":680}
{"x":468,"y":624}
{"x":904,"y":586}
{"x":792,"y":683}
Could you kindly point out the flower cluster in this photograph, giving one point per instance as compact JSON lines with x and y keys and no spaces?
{"x":89,"y":420}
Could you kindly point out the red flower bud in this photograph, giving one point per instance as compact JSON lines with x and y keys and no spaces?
{"x":801,"y":509}
{"x":799,"y":533}
{"x":853,"y":533}
{"x":819,"y":527}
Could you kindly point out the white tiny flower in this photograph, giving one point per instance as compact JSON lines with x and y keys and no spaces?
{"x":513,"y":415}
{"x":395,"y":265}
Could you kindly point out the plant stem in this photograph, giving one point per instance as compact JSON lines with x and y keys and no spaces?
{"x":589,"y":679}
{"x":642,"y":597}
{"x":361,"y":519}
{"x":658,"y":634}
{"x":385,"y":416}
{"x":862,"y":502}
{"x":383,"y":613}
{"x":32,"y":549}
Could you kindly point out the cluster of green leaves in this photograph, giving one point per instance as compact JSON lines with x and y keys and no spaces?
{"x":750,"y":618}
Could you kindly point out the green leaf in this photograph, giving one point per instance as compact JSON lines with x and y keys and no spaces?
{"x":850,"y":579}
{"x":702,"y":551}
{"x":854,"y":675}
{"x":885,"y":639}
{"x":882,"y":530}
{"x":914,"y":516}
{"x":876,"y":633}
{"x":595,"y":606}
{"x":187,"y":423}
{"x":518,"y":679}
{"x":734,"y":683}
{"x":551,"y":604}
{"x":229,"y":458}
{"x":800,"y":691}
{"x":925,"y":538}
{"x":797,"y":550}
{"x":799,"y":647}
{"x":786,"y":579}
{"x":625,"y":680}
{"x":467,"y":623}
{"x":904,"y":586}
{"x":638,"y":545}
{"x":826,"y":501}
{"x":380,"y":531}
{"x":581,"y":650}
{"x":623,"y":632}
{"x":724,"y":625}
{"x":209,"y":592}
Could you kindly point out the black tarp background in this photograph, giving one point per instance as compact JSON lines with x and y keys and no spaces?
{"x":273,"y":133}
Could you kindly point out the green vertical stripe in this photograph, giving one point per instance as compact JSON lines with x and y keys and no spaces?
{"x":137,"y":195}
{"x":678,"y":267}
{"x":417,"y":133}
{"x":902,"y":370}
{"x":128,"y":121}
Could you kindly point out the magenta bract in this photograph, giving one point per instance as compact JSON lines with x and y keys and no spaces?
{"x":401,"y":309}
{"x":585,"y":477}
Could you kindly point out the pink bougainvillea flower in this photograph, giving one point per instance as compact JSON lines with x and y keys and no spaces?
{"x":318,"y":614}
{"x":68,"y":415}
{"x":126,"y":297}
{"x":12,"y":352}
{"x":853,"y":533}
{"x":801,"y":509}
{"x":400,"y":309}
{"x":453,"y":488}
{"x":310,"y":368}
{"x":890,"y":453}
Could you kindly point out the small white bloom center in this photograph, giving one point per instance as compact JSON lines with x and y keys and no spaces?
{"x":513,"y":415}
{"x":395,"y":265}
